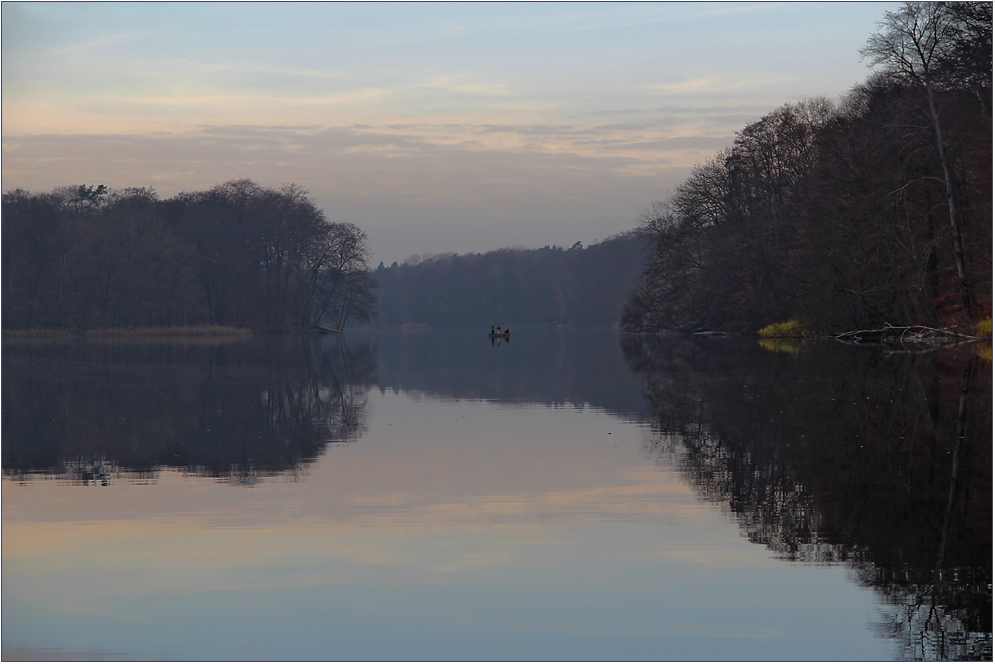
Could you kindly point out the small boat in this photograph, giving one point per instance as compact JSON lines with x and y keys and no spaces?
{"x":499,"y":335}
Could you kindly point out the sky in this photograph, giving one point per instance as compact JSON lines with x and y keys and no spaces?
{"x":434,"y":127}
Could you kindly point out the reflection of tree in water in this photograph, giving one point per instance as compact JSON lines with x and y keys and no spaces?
{"x":552,"y":366}
{"x":838,"y":454}
{"x":237,"y":411}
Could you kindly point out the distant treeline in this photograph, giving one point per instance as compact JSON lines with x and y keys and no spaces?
{"x":86,"y":257}
{"x":512,"y":287}
{"x":871,"y":212}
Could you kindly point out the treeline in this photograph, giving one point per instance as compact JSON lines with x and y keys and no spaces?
{"x":512,"y":287}
{"x":238,"y":254}
{"x":874,"y":211}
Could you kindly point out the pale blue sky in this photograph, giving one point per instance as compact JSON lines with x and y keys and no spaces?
{"x":434,"y":127}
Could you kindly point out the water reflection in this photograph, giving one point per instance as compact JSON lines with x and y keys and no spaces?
{"x":831,"y":454}
{"x":550,"y":366}
{"x":825,"y":454}
{"x":92,"y":411}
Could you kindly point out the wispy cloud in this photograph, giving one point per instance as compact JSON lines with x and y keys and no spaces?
{"x":268,"y":69}
{"x":97,"y":45}
{"x":448,"y":84}
{"x":719,"y":85}
{"x":450,"y":154}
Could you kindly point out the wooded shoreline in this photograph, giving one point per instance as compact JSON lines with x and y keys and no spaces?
{"x":889,"y":335}
{"x":861,"y":214}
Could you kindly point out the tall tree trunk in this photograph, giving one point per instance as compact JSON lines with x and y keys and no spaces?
{"x":965,"y":291}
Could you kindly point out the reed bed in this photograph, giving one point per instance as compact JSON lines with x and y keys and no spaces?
{"x":177,"y":331}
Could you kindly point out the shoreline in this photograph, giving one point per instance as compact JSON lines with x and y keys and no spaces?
{"x":891,"y":335}
{"x":177,"y":331}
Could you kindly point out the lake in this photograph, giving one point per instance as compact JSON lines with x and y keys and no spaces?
{"x":565,"y":495}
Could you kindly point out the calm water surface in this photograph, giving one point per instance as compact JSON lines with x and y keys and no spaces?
{"x":435,"y":495}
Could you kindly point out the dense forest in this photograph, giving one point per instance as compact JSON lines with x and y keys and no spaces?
{"x":512,"y":287}
{"x":85,"y":257}
{"x":238,"y":254}
{"x":870,"y":212}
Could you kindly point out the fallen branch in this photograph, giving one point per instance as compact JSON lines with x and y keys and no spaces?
{"x":909,"y":334}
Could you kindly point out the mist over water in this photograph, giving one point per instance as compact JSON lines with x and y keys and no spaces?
{"x":565,"y":494}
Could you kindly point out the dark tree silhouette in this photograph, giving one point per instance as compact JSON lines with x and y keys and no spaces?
{"x":915,"y":45}
{"x":876,"y":211}
{"x":84,"y":257}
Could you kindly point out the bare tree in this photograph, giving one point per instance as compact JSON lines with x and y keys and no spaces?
{"x":719,"y":247}
{"x":912,"y":46}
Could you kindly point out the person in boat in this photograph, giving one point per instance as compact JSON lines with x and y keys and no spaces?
{"x":507,"y":331}
{"x":492,"y":329}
